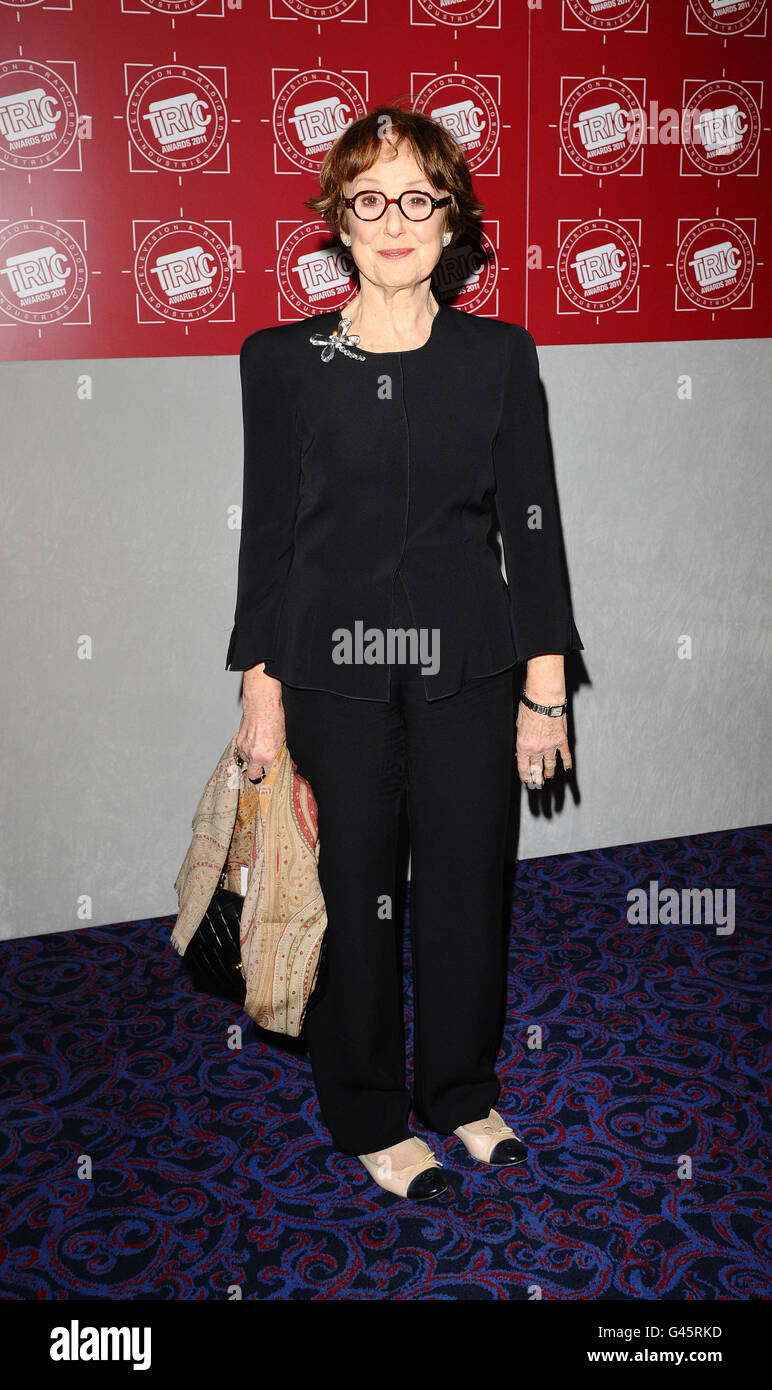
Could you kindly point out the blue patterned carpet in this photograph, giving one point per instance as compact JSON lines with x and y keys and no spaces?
{"x":211,"y":1166}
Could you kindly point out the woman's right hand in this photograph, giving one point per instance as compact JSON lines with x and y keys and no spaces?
{"x":262,"y":730}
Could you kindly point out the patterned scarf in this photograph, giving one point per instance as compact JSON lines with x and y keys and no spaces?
{"x":272,"y":828}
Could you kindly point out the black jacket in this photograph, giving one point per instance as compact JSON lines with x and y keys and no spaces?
{"x":356,"y":470}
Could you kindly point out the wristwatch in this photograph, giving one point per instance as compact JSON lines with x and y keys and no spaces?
{"x":555,"y":710}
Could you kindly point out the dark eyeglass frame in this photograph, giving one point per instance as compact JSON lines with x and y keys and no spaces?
{"x":435,"y":203}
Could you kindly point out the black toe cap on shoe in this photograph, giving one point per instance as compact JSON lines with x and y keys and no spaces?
{"x":430,"y":1183}
{"x":509,"y":1151}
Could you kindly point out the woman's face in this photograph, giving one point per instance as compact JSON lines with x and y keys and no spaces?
{"x":370,"y":241}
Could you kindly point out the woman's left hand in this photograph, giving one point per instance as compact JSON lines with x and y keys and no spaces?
{"x":540,"y":737}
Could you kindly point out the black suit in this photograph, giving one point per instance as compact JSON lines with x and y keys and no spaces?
{"x":357,"y":470}
{"x":359,"y":475}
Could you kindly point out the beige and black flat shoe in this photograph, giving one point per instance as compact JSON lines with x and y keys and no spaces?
{"x":417,"y":1180}
{"x":491,"y":1141}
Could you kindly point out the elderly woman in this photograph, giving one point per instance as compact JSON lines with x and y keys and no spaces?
{"x":377,"y":635}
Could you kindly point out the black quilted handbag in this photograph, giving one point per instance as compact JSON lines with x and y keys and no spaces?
{"x":213,"y":954}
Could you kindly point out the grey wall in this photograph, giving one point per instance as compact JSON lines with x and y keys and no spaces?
{"x":115,"y":529}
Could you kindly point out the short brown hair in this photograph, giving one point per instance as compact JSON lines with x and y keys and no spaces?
{"x":436,"y":151}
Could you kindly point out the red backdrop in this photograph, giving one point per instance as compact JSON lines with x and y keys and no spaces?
{"x":155,"y":154}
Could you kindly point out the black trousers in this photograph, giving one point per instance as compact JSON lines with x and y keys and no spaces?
{"x":454,"y":759}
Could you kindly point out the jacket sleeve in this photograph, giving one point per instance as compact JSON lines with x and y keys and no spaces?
{"x":269,"y":502}
{"x":540,"y":608}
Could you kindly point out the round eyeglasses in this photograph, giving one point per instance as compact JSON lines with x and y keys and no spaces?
{"x":369,"y":204}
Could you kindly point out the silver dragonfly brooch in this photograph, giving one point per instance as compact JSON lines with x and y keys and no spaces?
{"x":339,"y":340}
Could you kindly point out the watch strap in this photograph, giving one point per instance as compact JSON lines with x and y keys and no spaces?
{"x":554,"y":710}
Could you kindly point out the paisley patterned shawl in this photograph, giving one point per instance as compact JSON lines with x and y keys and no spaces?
{"x":273,"y":829}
